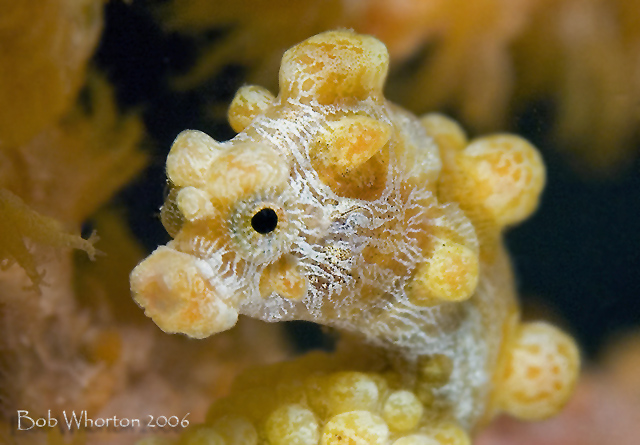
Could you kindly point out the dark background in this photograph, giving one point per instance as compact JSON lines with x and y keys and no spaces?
{"x":577,"y":259}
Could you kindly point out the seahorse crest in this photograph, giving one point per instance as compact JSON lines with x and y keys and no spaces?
{"x":224,"y":173}
{"x":334,"y":66}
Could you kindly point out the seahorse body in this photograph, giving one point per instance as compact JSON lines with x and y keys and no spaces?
{"x":336,"y":206}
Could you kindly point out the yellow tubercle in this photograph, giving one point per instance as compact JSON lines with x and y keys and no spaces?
{"x":350,"y":142}
{"x":496,"y":180}
{"x":540,"y":372}
{"x":198,"y":160}
{"x":449,"y":135}
{"x":450,"y":275}
{"x":194,"y":204}
{"x":242,"y":170}
{"x":249,"y":102}
{"x":191,"y":155}
{"x":502,"y":176}
{"x":334,"y":66}
{"x":283,"y":278}
{"x":486,"y":58}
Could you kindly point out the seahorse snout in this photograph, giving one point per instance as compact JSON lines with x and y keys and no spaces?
{"x":175,"y":291}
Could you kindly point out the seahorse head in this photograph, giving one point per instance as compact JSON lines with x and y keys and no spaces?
{"x":324,"y":207}
{"x":335,"y":206}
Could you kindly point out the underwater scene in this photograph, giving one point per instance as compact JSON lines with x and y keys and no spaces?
{"x":336,"y":222}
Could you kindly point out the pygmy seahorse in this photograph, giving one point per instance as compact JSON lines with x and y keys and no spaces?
{"x":335,"y":206}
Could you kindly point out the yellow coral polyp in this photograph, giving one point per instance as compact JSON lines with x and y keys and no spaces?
{"x":402,"y":411}
{"x":236,"y":430}
{"x":343,"y":392}
{"x":334,"y":206}
{"x":292,"y":425}
{"x":355,"y":428}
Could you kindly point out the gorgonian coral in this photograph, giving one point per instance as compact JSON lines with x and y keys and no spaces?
{"x":69,"y":333}
{"x":21,"y":225}
{"x":335,"y":206}
{"x":91,"y":150}
{"x":45,"y":47}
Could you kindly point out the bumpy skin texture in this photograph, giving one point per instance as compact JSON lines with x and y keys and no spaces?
{"x":335,"y":206}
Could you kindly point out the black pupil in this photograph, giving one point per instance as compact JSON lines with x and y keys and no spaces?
{"x":264,"y":221}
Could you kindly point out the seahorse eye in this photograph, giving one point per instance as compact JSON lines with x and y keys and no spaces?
{"x":265,"y":221}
